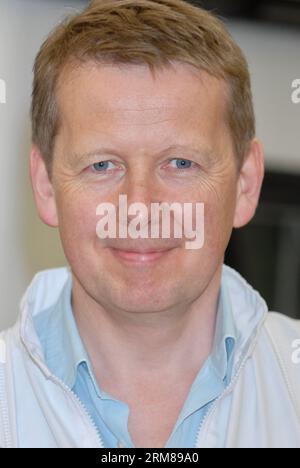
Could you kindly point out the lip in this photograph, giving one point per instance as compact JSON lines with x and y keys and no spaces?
{"x":143,"y":257}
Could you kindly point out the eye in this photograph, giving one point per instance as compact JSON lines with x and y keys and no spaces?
{"x":182,"y":163}
{"x":102,"y":166}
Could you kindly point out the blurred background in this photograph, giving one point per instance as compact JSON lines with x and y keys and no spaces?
{"x":266,"y":252}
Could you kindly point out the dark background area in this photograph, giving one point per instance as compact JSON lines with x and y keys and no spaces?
{"x":282,"y":11}
{"x":267,"y":251}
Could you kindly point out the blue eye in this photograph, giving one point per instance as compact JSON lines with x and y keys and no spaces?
{"x":101,"y":166}
{"x":183,"y":163}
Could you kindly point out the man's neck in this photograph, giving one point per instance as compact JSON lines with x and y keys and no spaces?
{"x":122,"y":344}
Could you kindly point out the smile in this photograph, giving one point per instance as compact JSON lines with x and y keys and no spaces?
{"x":142,"y":258}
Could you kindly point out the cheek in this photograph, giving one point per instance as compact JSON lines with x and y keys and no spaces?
{"x":77,"y":220}
{"x":202,"y":263}
{"x":218,"y":220}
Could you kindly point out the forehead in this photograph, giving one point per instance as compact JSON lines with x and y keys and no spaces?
{"x":94,"y":98}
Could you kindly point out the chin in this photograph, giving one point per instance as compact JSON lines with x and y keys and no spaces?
{"x":143,"y":301}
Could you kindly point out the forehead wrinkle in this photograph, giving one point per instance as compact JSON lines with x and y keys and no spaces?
{"x":132,"y":117}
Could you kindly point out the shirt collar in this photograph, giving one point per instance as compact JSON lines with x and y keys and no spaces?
{"x":226,"y":335}
{"x":215,"y":374}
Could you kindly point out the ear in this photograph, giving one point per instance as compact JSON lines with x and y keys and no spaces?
{"x":42,"y":188}
{"x":249,"y":184}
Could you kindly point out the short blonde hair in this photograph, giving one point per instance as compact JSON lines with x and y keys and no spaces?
{"x":152,"y":32}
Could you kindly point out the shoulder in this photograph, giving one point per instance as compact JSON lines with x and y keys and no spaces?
{"x":282,"y":327}
{"x":284,"y":335}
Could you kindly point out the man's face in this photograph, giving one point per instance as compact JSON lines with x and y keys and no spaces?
{"x":143,"y":127}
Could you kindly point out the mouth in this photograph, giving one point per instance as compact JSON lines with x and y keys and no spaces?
{"x":140,"y":257}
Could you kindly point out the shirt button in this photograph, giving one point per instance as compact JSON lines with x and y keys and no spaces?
{"x":121,"y":444}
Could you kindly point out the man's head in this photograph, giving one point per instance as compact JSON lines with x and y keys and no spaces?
{"x":150,"y":84}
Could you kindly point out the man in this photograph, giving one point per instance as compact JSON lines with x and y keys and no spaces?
{"x":143,"y":342}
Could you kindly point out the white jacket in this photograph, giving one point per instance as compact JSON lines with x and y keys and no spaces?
{"x":260,"y":408}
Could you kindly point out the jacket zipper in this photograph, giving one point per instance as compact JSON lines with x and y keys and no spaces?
{"x":82,"y":406}
{"x":212,"y":409}
{"x":229,"y":388}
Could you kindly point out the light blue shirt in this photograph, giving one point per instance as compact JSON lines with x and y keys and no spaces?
{"x":67,"y":358}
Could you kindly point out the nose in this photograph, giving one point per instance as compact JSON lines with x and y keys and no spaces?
{"x":141,"y":186}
